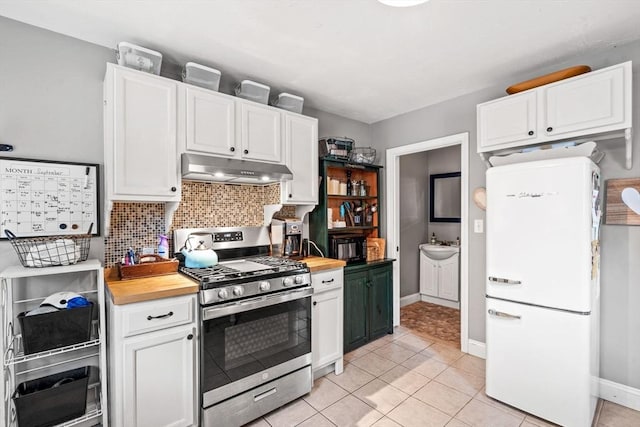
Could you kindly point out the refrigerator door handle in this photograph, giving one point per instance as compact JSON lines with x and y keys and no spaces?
{"x":503,"y":314}
{"x":504,"y":281}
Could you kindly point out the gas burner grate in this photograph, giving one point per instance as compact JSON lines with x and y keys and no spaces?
{"x":209,"y":274}
{"x":221,"y":273}
{"x":282,"y":264}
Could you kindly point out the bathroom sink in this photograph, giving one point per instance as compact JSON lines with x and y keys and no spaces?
{"x":438,"y":252}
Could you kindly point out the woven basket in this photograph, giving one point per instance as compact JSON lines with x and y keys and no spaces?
{"x":51,"y":251}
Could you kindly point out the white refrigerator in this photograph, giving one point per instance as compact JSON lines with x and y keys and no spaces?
{"x":543,"y":289}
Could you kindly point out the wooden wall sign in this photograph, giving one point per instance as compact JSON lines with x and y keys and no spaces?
{"x":623,"y":201}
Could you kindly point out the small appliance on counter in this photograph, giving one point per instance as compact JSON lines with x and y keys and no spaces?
{"x":286,"y":237}
{"x":351,"y":248}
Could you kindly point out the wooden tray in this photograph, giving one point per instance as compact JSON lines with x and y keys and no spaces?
{"x":375,"y":248}
{"x":548,"y":78}
{"x":150,"y":265}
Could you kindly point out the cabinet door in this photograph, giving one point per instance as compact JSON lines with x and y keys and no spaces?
{"x":210,"y":122}
{"x":356,"y":303}
{"x":160,"y":372}
{"x":428,"y":276}
{"x":145,"y":161}
{"x":507,"y":120}
{"x":301,"y":157}
{"x":592,"y":101}
{"x":380,"y":309}
{"x":448,"y":278}
{"x":260,"y":134}
{"x":326,"y":336}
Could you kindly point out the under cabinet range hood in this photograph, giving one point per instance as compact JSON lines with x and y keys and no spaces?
{"x":233,"y":171}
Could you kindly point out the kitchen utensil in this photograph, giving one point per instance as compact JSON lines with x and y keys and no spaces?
{"x":198,"y":257}
{"x":548,"y":78}
{"x":349,"y":214}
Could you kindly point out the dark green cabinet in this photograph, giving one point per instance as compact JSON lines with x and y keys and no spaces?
{"x":356,"y":303}
{"x":368,"y":303}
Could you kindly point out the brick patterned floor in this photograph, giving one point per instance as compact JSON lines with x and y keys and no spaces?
{"x":433,"y":320}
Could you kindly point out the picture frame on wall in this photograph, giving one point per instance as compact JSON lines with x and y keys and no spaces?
{"x":623,"y":201}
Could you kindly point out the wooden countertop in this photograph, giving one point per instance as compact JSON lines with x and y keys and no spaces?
{"x":171,"y":285}
{"x":148,"y":288}
{"x":316,"y":263}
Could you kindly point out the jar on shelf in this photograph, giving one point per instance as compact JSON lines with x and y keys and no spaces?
{"x":343,"y":188}
{"x":362,"y":188}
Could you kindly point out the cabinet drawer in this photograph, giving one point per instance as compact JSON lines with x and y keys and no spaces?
{"x":160,"y":314}
{"x":329,"y":279}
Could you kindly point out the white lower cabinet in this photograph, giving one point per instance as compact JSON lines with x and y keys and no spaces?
{"x":439,"y":278}
{"x":326,"y":319}
{"x":153,"y":374}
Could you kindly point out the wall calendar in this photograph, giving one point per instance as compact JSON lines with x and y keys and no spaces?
{"x":46,"y":198}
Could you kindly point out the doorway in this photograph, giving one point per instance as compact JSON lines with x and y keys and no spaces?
{"x":392,"y":183}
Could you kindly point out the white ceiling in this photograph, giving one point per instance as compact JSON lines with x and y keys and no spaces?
{"x":355,"y":58}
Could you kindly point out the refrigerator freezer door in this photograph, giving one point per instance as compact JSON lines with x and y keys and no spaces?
{"x":540,"y":360}
{"x":539,"y":217}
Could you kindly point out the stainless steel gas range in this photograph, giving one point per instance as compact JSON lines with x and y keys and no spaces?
{"x":255,"y":325}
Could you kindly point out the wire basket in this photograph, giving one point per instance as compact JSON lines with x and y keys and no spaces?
{"x":363,"y":155}
{"x":52,"y":250}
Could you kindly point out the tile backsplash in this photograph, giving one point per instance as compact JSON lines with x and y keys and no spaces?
{"x":204,"y":204}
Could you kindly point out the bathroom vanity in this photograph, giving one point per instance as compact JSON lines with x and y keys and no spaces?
{"x":439,"y":274}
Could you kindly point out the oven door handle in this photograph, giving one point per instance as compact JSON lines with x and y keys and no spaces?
{"x":264,"y":301}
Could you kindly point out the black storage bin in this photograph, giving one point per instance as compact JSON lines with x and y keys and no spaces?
{"x":53,"y":399}
{"x":57,"y":329}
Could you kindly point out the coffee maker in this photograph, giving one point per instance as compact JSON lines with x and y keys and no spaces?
{"x":286,"y":237}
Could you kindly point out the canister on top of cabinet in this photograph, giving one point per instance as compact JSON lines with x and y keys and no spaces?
{"x":289,"y":102}
{"x":199,"y":75}
{"x":256,"y":92}
{"x":139,"y":58}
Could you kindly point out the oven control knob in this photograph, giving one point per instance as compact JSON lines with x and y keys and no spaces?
{"x":238,"y":291}
{"x":265,"y":286}
{"x":287,"y":281}
{"x":299,"y":280}
{"x":223,"y":294}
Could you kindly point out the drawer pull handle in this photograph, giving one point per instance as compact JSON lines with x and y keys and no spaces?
{"x":328,"y":281}
{"x":265,"y":394}
{"x":315,"y":303}
{"x":162,"y":316}
{"x":190,"y":336}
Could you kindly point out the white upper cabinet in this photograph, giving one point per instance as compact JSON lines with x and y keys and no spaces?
{"x":301,"y":157}
{"x":210,"y":122}
{"x":511,"y":119}
{"x":260,"y":132}
{"x":590,"y":101}
{"x":594,"y":103}
{"x":141,"y":131}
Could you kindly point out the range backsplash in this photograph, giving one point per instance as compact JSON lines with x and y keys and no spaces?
{"x":204,"y":204}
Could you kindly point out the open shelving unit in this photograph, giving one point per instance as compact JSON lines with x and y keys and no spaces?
{"x":22,"y":289}
{"x":319,"y":220}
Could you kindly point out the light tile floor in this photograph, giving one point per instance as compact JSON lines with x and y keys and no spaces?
{"x":406,"y":379}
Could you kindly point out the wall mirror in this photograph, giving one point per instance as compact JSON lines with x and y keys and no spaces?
{"x":444,"y":197}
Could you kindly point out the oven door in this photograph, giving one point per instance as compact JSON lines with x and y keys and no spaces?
{"x":248,"y":343}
